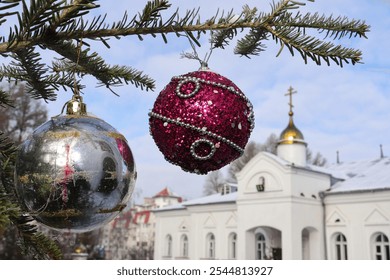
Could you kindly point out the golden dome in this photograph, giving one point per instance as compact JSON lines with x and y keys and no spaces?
{"x":291,"y":134}
{"x":80,"y":249}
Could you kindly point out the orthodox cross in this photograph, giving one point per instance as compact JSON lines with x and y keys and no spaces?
{"x":290,"y":92}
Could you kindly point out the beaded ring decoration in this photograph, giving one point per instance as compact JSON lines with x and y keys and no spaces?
{"x":197,"y":143}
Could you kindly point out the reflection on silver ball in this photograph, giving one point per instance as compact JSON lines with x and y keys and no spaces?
{"x":75,"y":173}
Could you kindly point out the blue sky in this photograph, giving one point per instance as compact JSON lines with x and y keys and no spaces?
{"x":337,"y":109}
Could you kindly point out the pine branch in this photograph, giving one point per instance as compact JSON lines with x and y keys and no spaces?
{"x":7,"y":210}
{"x":54,"y":24}
{"x":84,"y":63}
{"x":251,"y":44}
{"x":7,"y":151}
{"x":221,"y":38}
{"x":335,"y":28}
{"x":8,"y":5}
{"x":53,"y":82}
{"x":71,"y":12}
{"x":151,"y":13}
{"x":33,"y":244}
{"x":5,"y":99}
{"x":36,"y":15}
{"x":310,"y":47}
{"x":188,"y":23}
{"x":289,"y":30}
{"x":28,"y":67}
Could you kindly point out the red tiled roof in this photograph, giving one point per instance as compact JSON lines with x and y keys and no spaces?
{"x":138,"y":215}
{"x":163,"y":193}
{"x":166,"y":192}
{"x":127,"y":216}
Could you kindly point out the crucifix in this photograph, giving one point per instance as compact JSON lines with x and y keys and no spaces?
{"x":290,"y":92}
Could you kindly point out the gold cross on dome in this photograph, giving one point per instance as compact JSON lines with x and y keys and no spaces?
{"x":290,"y":92}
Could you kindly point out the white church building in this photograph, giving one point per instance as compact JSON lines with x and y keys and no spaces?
{"x":284,"y":208}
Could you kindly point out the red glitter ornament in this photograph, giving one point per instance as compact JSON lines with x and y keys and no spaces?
{"x":201,"y":121}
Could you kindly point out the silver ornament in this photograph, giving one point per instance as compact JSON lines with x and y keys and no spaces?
{"x":75,"y":173}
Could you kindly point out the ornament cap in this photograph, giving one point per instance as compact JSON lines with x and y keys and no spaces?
{"x":204,"y":66}
{"x":76,"y":107}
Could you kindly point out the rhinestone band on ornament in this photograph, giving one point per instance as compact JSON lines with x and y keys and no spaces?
{"x":197,"y":81}
{"x":198,"y":129}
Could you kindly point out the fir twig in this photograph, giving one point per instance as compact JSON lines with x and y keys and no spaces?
{"x":32,"y":243}
{"x":85,"y":63}
{"x":54,"y":24}
{"x":5,"y":99}
{"x":27,"y":67}
{"x":35,"y":244}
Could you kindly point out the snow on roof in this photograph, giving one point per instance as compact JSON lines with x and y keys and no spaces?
{"x":276,"y":158}
{"x":363,"y":175}
{"x":333,"y":172}
{"x":211,"y":199}
{"x":337,"y":174}
{"x":314,"y":168}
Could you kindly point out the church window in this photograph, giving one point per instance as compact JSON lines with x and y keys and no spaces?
{"x":210,"y":249}
{"x":381,"y":247}
{"x":260,"y":247}
{"x":168,"y":245}
{"x":260,"y":186}
{"x":232,"y":246}
{"x":184,"y":245}
{"x":341,"y":252}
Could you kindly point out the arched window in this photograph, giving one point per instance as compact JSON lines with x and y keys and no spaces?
{"x":184,"y":246}
{"x":341,"y":249}
{"x":305,"y":244}
{"x":260,"y":247}
{"x":210,"y":246}
{"x":232,"y":245}
{"x":168,"y":245}
{"x":381,"y":247}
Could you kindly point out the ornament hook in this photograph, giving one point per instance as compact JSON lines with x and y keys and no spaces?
{"x":76,"y":106}
{"x":195,"y":55}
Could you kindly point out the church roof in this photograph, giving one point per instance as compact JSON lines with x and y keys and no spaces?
{"x":311,"y":168}
{"x":206,"y":200}
{"x":364,"y":175}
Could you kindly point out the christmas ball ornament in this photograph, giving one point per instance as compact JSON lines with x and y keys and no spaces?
{"x":201,"y":121}
{"x":75,"y":172}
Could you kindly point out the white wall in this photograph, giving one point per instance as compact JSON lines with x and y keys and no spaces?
{"x":358,"y":216}
{"x":196,"y":222}
{"x":289,"y":203}
{"x":288,"y":211}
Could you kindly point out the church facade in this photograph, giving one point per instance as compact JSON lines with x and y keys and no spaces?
{"x":284,"y":208}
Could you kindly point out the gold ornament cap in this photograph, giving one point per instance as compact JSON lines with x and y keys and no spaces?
{"x":76,"y":107}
